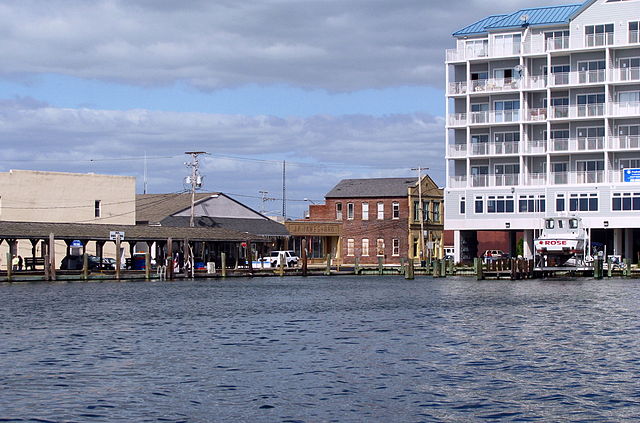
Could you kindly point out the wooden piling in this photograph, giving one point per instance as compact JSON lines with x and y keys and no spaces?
{"x":223,"y":264}
{"x":443,"y":268}
{"x":47,"y":267}
{"x":597,"y":268}
{"x":304,"y":257}
{"x":477,"y":264}
{"x":147,"y":265}
{"x":409,"y":272}
{"x":282,"y":261}
{"x":85,"y":266}
{"x":627,"y":268}
{"x":185,"y":257}
{"x":380,"y":265}
{"x":435,"y":269}
{"x":169,"y":272}
{"x":327,"y":270}
{"x":9,"y":266}
{"x":356,"y":265}
{"x":118,"y":257}
{"x":609,"y":267}
{"x":52,"y":257}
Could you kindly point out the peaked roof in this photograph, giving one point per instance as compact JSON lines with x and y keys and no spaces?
{"x":155,"y":207}
{"x":536,"y":16}
{"x":373,"y":187}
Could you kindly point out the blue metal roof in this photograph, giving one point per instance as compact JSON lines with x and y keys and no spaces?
{"x":479,"y":27}
{"x":536,"y":16}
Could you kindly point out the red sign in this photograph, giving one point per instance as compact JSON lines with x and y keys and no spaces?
{"x":244,"y":244}
{"x":553,"y":242}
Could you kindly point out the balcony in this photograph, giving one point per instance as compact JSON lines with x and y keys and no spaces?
{"x":625,"y":142}
{"x":577,"y":111}
{"x":494,"y":148}
{"x":537,"y":179}
{"x":507,"y":179}
{"x":494,"y":116}
{"x":557,"y":43}
{"x":457,"y":88}
{"x":577,"y":144}
{"x":458,"y":55}
{"x":479,"y":180}
{"x":536,"y":146}
{"x":598,"y":40}
{"x":627,"y":108}
{"x":458,"y":150}
{"x":577,"y":78}
{"x":457,"y":182}
{"x":495,"y":85}
{"x":537,"y":115}
{"x":578,"y":177}
{"x":536,"y":82}
{"x":457,"y":119}
{"x":537,"y":46}
{"x":625,"y":74}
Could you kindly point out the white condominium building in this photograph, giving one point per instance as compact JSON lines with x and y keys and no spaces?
{"x":543,"y":119}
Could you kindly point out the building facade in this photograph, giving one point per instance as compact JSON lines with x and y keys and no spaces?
{"x":372,"y":218}
{"x":543,"y":119}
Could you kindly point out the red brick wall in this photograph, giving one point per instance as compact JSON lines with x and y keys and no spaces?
{"x":358,"y":229}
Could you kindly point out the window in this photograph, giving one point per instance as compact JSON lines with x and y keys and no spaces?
{"x":462,"y":206}
{"x":583,"y":202}
{"x":476,"y":48}
{"x":396,"y":210}
{"x":480,"y":113}
{"x":380,"y":247}
{"x":626,"y":201}
{"x":590,"y":104}
{"x":507,"y":110}
{"x":590,"y":171}
{"x":350,"y":211}
{"x":633,"y":32}
{"x":590,"y":138}
{"x":380,"y":211}
{"x":480,"y":144}
{"x":350,"y":246}
{"x":338,"y":211}
{"x":591,"y":71}
{"x":479,"y":205}
{"x":556,"y":40}
{"x":97,"y":210}
{"x":507,"y":45}
{"x":365,"y":247}
{"x":531,"y":204}
{"x":598,"y":35}
{"x":559,"y":74}
{"x":507,"y":174}
{"x":500,"y":204}
{"x":365,"y":211}
{"x":629,"y":69}
{"x":506,"y":142}
{"x":396,"y":247}
{"x":435,"y":206}
{"x":560,"y":107}
{"x":416,"y":211}
{"x":560,"y":202}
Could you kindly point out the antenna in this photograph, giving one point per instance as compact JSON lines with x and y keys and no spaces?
{"x":524,"y":19}
{"x":263,"y":201}
{"x":144,"y":188}
{"x":195,"y":180}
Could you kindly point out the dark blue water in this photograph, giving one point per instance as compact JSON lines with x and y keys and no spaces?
{"x":321,"y":349}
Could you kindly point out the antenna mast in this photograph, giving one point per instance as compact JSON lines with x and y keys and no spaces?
{"x":195,"y":180}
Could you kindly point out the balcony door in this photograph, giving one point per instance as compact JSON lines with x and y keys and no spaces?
{"x":480,"y":176}
{"x":590,"y":104}
{"x":629,"y":69}
{"x":476,"y":48}
{"x":480,"y":144}
{"x":590,"y":171}
{"x":507,"y":45}
{"x":507,"y":110}
{"x":591,"y":72}
{"x":559,"y":172}
{"x":507,"y":174}
{"x":629,"y":136}
{"x":591,"y":138}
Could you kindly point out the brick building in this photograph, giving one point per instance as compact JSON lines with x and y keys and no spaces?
{"x":369,"y":218}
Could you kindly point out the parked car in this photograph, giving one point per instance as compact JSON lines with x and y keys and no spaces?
{"x":491,"y":255}
{"x":291,"y":259}
{"x":72,"y":262}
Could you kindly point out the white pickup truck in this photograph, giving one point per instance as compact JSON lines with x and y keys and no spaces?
{"x":290,"y":257}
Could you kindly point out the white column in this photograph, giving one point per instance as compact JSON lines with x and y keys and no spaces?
{"x":628,"y":244}
{"x":527,"y":246}
{"x":617,"y":241}
{"x":456,"y":246}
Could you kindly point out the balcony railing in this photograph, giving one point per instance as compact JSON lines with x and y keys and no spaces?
{"x":454,"y":54}
{"x":597,"y":40}
{"x":507,"y":179}
{"x":537,"y":146}
{"x":457,"y":119}
{"x":495,"y":116}
{"x":576,"y":111}
{"x":559,"y":144}
{"x":625,"y":142}
{"x":495,"y":84}
{"x":627,"y":108}
{"x":480,"y":149}
{"x":457,"y":181}
{"x":536,"y":81}
{"x":457,"y":150}
{"x":537,"y":115}
{"x":588,"y":144}
{"x":578,"y":77}
{"x":559,"y":178}
{"x":457,"y":88}
{"x":625,"y":74}
{"x":537,"y":179}
{"x":557,"y":43}
{"x":479,"y":180}
{"x":494,"y":148}
{"x":587,"y":177}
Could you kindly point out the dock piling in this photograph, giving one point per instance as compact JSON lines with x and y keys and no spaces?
{"x":223,"y":264}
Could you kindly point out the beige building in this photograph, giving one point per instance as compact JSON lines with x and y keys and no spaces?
{"x":57,"y":197}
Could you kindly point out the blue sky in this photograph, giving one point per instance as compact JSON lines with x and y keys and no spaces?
{"x":338,"y":89}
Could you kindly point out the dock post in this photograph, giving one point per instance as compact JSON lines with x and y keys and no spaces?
{"x":85,"y":266}
{"x":597,"y":268}
{"x":185,"y":257}
{"x":443,"y":268}
{"x":356,"y":265}
{"x":609,"y":267}
{"x":409,"y":272}
{"x":627,"y":268}
{"x":477,"y":264}
{"x":249,"y":256}
{"x":9,"y":266}
{"x":118,"y":257}
{"x":380,"y":265}
{"x":327,"y":271}
{"x":435,"y":269}
{"x":304,"y":256}
{"x":147,"y":265}
{"x":47,"y":267}
{"x":223,"y":264}
{"x":169,"y":272}
{"x":52,"y":257}
{"x":282,"y":260}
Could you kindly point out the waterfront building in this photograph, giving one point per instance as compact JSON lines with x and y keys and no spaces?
{"x":371,"y":218}
{"x":543,"y":119}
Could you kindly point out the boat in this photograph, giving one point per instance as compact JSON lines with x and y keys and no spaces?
{"x":562,"y":242}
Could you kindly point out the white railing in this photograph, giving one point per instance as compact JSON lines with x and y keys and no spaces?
{"x":495,"y":84}
{"x":597,"y":40}
{"x":559,"y":144}
{"x":625,"y":74}
{"x":457,"y":150}
{"x":494,"y":148}
{"x":457,"y":88}
{"x":578,"y":77}
{"x":625,"y":142}
{"x":495,"y":116}
{"x":480,"y":149}
{"x":457,"y":181}
{"x":507,"y":179}
{"x":627,"y":108}
{"x":557,"y":43}
{"x":479,"y":180}
{"x":588,"y":144}
{"x":618,"y":176}
{"x":455,"y":55}
{"x":457,"y":119}
{"x":508,"y":49}
{"x":537,"y":146}
{"x":587,"y":177}
{"x":536,"y":115}
{"x":576,"y":111}
{"x":537,"y":179}
{"x":559,"y":178}
{"x":533,"y":46}
{"x":537,"y":81}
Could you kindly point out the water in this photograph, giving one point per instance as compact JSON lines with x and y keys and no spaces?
{"x":321,"y":349}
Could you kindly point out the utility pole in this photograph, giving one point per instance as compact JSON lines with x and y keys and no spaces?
{"x":421,"y":209}
{"x":284,"y":190}
{"x":195,"y":180}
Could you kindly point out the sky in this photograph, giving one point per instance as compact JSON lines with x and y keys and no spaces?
{"x":335,"y":88}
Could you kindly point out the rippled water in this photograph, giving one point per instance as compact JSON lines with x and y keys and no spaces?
{"x":321,"y":349}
